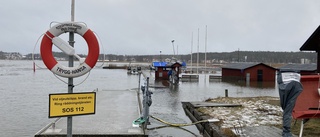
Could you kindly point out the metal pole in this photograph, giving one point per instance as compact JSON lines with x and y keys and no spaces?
{"x":238,"y":55}
{"x":301,"y":128}
{"x":177,"y":50}
{"x":72,"y":10}
{"x":205,"y":53}
{"x":145,"y":113}
{"x":191,"y":49}
{"x":70,"y":80}
{"x":138,"y":94}
{"x":139,"y":83}
{"x":148,"y":102}
{"x":198,"y":54}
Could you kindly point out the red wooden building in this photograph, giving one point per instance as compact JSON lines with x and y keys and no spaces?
{"x":248,"y":72}
{"x":163,"y":70}
{"x":307,"y":103}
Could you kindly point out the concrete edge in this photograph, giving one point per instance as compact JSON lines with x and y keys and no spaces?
{"x":92,"y":135}
{"x":207,"y":129}
{"x":47,"y":126}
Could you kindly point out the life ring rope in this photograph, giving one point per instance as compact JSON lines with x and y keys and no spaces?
{"x":46,"y":34}
{"x":102,"y":47}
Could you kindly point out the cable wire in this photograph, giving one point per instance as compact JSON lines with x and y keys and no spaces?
{"x":75,"y":84}
{"x":177,"y":124}
{"x":34,"y":48}
{"x":101,"y":45}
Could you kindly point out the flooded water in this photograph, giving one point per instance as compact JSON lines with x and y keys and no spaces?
{"x":24,"y":96}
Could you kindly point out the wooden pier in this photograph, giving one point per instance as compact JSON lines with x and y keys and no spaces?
{"x":190,"y":78}
{"x":212,"y":130}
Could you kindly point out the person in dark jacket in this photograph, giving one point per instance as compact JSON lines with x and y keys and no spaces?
{"x":289,"y":89}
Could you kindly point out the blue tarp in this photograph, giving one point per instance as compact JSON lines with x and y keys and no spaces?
{"x":164,"y":64}
{"x":160,"y":64}
{"x":184,"y":64}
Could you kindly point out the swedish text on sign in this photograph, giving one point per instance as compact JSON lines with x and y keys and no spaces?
{"x":72,"y":104}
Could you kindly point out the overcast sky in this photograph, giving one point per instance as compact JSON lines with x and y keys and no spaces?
{"x":136,"y":27}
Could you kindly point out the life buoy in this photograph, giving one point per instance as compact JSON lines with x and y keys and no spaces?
{"x":61,"y":70}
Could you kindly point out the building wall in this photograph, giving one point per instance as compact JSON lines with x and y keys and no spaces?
{"x":269,"y":74}
{"x":161,"y":74}
{"x":232,"y":74}
{"x":237,"y":74}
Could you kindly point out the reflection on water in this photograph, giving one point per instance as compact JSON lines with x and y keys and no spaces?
{"x":255,"y":84}
{"x":24,"y":96}
{"x":167,"y":101}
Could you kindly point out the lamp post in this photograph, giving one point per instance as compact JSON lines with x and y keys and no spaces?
{"x":173,"y":47}
{"x":160,"y":56}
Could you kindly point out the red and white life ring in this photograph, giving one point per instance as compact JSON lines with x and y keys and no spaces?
{"x":61,"y":70}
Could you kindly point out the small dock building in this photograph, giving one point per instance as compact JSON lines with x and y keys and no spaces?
{"x":163,"y":70}
{"x":248,"y":72}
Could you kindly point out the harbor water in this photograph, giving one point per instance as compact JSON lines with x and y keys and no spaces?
{"x":24,"y":99}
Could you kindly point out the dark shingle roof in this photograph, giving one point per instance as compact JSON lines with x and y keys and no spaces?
{"x":242,"y":66}
{"x":299,"y":67}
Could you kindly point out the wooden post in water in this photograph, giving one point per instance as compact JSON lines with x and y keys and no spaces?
{"x":226,"y":92}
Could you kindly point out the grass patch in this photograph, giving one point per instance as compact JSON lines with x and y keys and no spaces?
{"x":228,"y":132}
{"x":311,"y":128}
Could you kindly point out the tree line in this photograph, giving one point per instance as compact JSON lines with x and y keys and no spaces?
{"x":212,"y":57}
{"x":240,"y":56}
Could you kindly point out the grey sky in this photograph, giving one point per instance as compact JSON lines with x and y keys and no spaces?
{"x":134,"y":27}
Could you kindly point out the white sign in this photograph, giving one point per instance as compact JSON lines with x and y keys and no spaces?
{"x":290,"y":76}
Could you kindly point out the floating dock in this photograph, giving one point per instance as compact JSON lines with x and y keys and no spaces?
{"x":190,"y":78}
{"x":212,"y":130}
{"x":115,"y":112}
